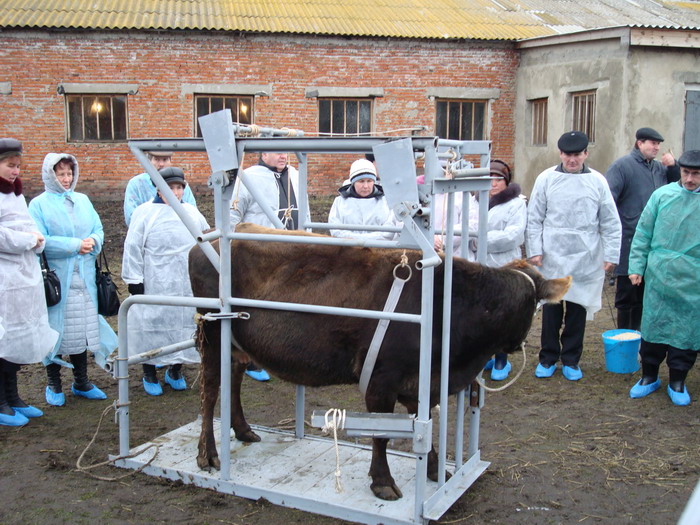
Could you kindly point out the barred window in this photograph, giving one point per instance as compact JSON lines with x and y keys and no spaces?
{"x":461,"y":119}
{"x":584,"y":113}
{"x":241,"y":108}
{"x":539,"y":121}
{"x":344,"y":116}
{"x":97,"y":118}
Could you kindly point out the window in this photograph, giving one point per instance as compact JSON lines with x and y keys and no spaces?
{"x":241,"y":108}
{"x":339,"y":116}
{"x":97,"y":118}
{"x":460,"y":119}
{"x":584,"y":113}
{"x":539,"y":121}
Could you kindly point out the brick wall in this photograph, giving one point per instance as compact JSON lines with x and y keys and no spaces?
{"x":35,"y":62}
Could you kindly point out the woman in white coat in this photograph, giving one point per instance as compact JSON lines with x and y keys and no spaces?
{"x":27,"y":338}
{"x":74,"y":237}
{"x":507,"y":220}
{"x":361,"y":202}
{"x":155,"y":262}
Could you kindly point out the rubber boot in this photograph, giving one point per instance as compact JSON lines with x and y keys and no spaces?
{"x":624,"y":319}
{"x":173,"y":376}
{"x":82,"y":387}
{"x":648,"y":384}
{"x":54,"y":393}
{"x":150,"y":381}
{"x":676,"y":387}
{"x":12,"y":394}
{"x":501,"y":367}
{"x":8,"y":416}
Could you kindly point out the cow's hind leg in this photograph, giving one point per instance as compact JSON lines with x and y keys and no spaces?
{"x":208,"y":339}
{"x":238,"y":421}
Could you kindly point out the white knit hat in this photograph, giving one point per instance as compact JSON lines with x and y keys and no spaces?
{"x":362,"y":169}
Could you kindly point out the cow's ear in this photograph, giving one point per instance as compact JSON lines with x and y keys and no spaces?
{"x":553,"y":290}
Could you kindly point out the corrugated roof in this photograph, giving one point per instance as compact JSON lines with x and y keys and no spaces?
{"x":432,"y":19}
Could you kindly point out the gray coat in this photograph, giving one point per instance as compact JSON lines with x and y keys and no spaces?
{"x":632,"y":180}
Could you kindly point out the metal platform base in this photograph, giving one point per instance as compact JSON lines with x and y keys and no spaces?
{"x":300,"y":473}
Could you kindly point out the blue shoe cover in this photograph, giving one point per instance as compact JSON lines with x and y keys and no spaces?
{"x":545,"y":371}
{"x":572,"y":373}
{"x":175,"y":384}
{"x":500,"y":375}
{"x":639,"y":390}
{"x":54,"y":399}
{"x":13,"y":421}
{"x":679,"y":398}
{"x":489,"y":364}
{"x":152,"y":389}
{"x":258,"y":375}
{"x":28,"y":411}
{"x":93,"y":393}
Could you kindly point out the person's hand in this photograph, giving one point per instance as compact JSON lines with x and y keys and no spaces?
{"x":667,"y":159}
{"x":437,"y":243}
{"x":607,"y":266}
{"x":473,"y":245}
{"x":39,"y":239}
{"x":86,"y":245}
{"x":136,"y":289}
{"x":536,"y":260}
{"x":635,"y":279}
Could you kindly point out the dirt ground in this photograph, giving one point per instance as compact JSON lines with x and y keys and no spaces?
{"x":560,"y":452}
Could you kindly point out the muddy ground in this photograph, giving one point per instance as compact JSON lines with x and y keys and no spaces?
{"x":560,"y":452}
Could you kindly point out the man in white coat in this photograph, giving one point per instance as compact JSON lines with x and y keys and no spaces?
{"x":278,"y":183}
{"x":572,"y":229}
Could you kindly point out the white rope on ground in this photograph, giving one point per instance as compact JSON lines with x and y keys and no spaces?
{"x":86,"y":470}
{"x":480,"y":380}
{"x":334,"y":420}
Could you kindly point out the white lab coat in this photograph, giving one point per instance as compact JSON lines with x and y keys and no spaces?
{"x":28,"y":337}
{"x":371,"y":211}
{"x":244,"y":208}
{"x":156,"y":252}
{"x":573,"y":223}
{"x":506,"y":231}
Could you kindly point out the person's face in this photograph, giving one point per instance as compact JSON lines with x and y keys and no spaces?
{"x":573,"y":162}
{"x":690,"y":178}
{"x":497,"y":186}
{"x":161,"y":162}
{"x":9,"y":168}
{"x":649,"y":148}
{"x":178,"y":190}
{"x":364,"y":187}
{"x":64,"y":174}
{"x":276,"y":160}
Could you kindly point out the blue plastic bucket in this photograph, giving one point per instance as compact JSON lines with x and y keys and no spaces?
{"x":621,"y":355}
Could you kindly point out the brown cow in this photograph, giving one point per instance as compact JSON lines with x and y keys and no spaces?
{"x":492,"y":310}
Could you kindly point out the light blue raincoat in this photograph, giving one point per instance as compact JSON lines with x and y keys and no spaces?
{"x":666,"y":252}
{"x":63,"y":239}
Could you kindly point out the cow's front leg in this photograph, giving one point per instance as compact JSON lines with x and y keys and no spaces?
{"x":412,"y":408}
{"x":210,"y":352}
{"x":381,"y":399}
{"x":238,"y":422}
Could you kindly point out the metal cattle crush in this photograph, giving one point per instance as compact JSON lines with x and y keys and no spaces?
{"x":300,"y":468}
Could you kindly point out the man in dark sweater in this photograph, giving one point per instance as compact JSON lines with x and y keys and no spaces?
{"x":632,"y":180}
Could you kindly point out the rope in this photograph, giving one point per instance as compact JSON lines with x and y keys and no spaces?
{"x":334,"y":420}
{"x":86,"y":470}
{"x":480,"y":379}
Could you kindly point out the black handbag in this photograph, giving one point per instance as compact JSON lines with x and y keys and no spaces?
{"x":107,"y":296}
{"x":52,"y":284}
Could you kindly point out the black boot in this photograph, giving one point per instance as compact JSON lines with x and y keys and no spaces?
{"x":676,"y":379}
{"x":53,"y":372}
{"x":12,"y":394}
{"x":8,"y":416}
{"x":650,"y":373}
{"x":150,"y":381}
{"x":82,"y":386}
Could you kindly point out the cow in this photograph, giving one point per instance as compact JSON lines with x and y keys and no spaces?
{"x":492,"y":310}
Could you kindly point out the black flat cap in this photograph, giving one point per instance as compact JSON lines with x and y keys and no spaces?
{"x":173,"y":174}
{"x":690,"y":159}
{"x":10,"y":147}
{"x":573,"y":142}
{"x":649,"y":134}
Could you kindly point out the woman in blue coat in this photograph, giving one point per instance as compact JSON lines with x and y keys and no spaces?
{"x":74,"y":237}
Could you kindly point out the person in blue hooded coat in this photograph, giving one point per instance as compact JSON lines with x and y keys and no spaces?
{"x":74,"y":237}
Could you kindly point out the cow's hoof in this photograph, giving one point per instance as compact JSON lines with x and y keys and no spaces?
{"x":433,"y":476}
{"x":208,"y":464}
{"x":387,"y":492}
{"x":247,"y":436}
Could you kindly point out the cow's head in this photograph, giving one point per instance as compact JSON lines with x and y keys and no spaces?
{"x":548,"y":290}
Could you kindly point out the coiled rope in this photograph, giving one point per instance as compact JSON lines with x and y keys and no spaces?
{"x":334,"y":421}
